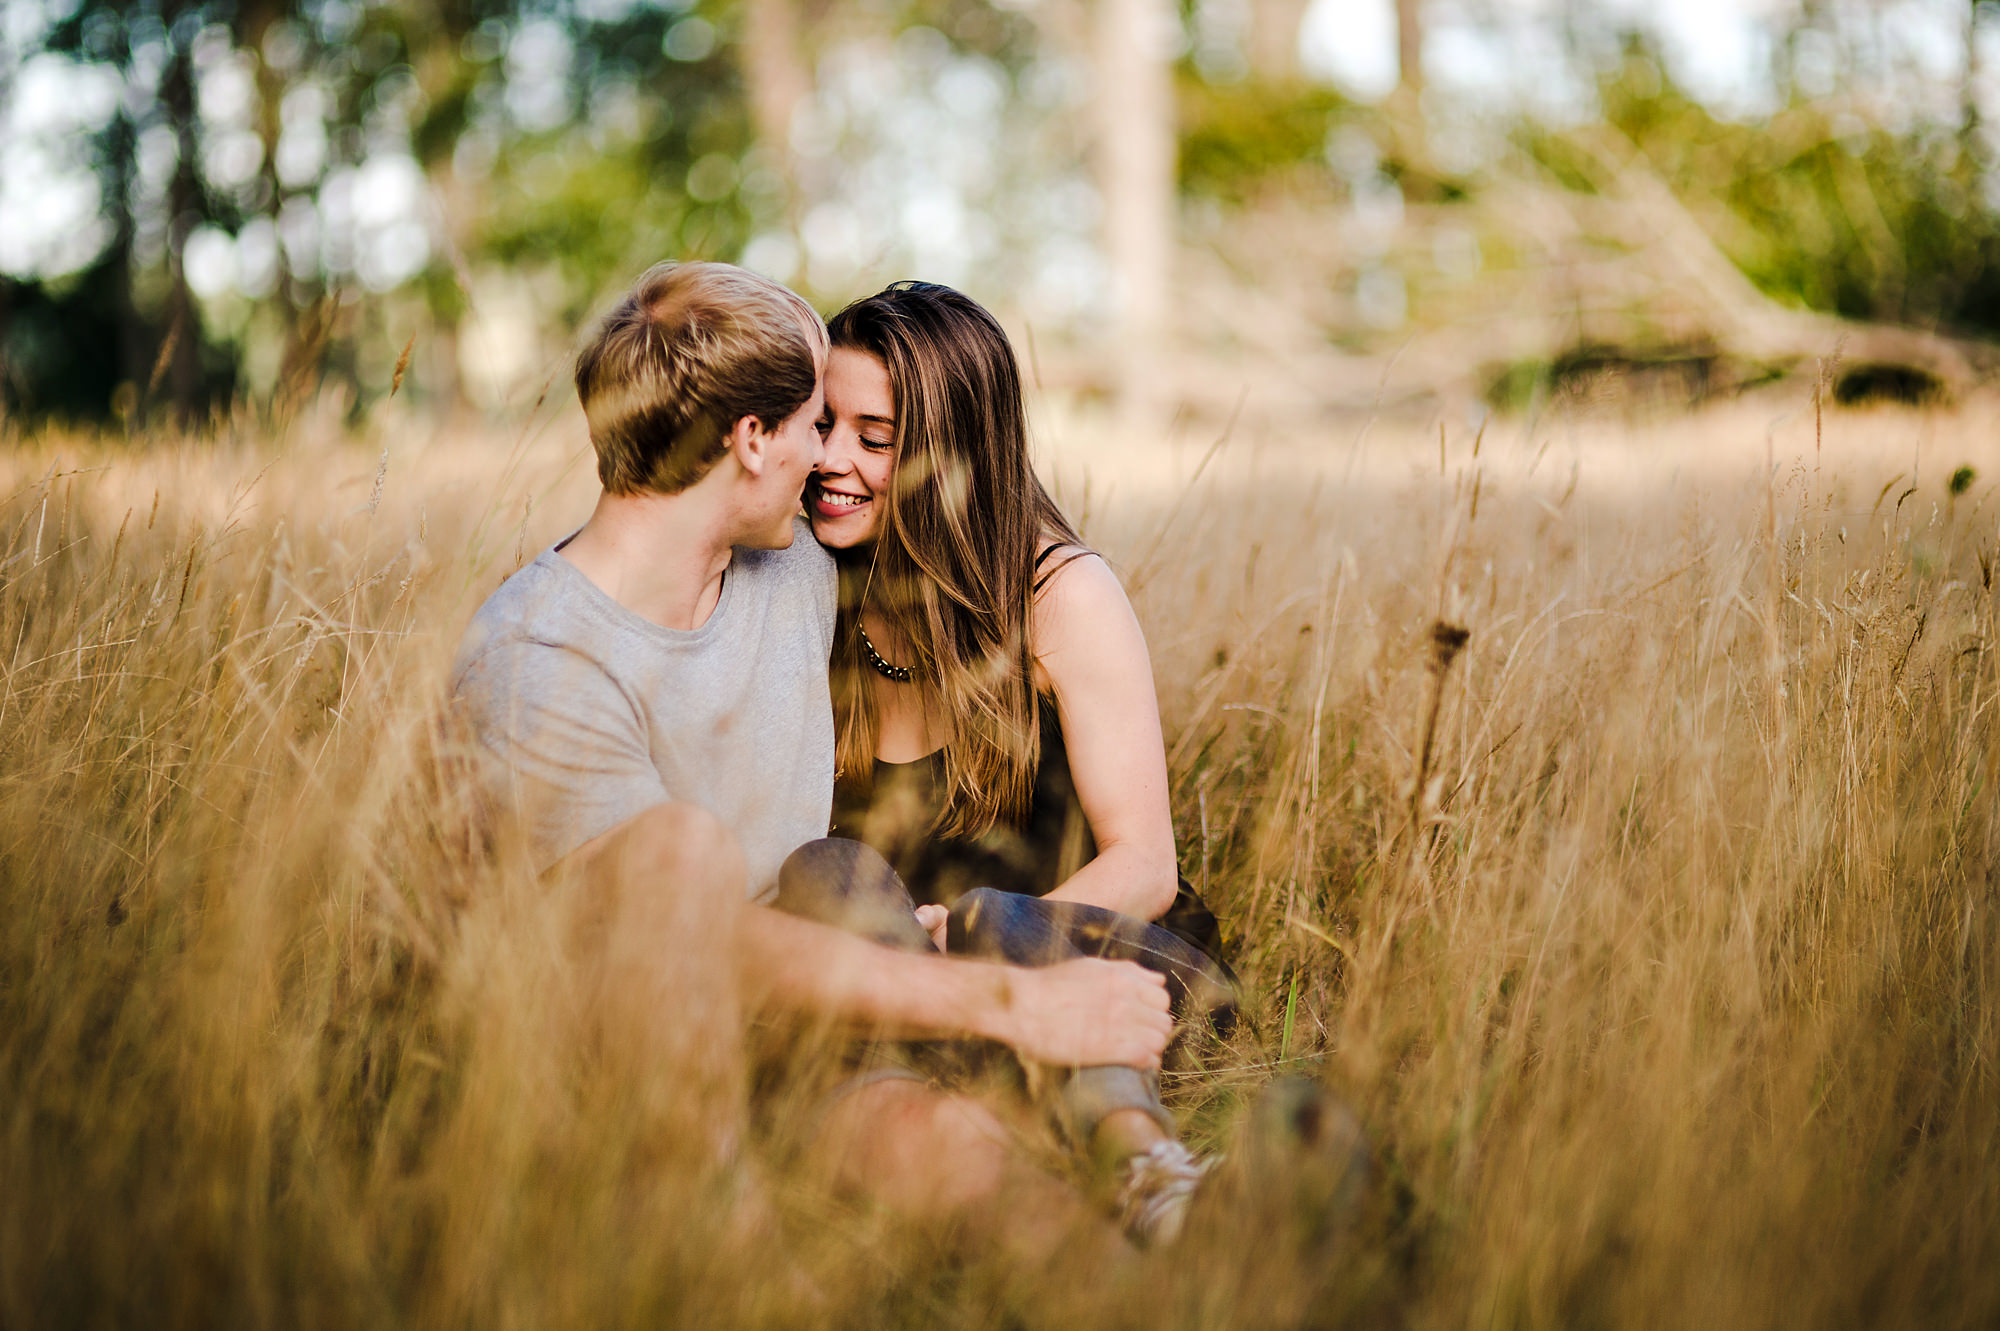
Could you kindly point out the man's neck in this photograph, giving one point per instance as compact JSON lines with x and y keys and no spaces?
{"x":660,"y":556}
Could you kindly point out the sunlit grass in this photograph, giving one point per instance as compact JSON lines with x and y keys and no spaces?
{"x":1666,"y":1000}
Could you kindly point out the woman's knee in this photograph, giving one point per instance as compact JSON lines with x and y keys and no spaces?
{"x":850,"y":886}
{"x":1007,"y":926}
{"x":822,"y":873}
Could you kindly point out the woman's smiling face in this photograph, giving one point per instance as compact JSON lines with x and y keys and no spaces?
{"x":848,"y":490}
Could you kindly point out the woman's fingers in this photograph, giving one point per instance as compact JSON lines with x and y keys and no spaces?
{"x":934,"y":919}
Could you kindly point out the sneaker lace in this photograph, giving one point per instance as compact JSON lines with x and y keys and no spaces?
{"x":1154,"y":1194}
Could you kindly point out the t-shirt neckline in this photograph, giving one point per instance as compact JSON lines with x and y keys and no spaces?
{"x":624,"y":614}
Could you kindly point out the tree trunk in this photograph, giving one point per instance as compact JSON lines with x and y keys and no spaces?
{"x":1274,"y":38}
{"x":435,"y":44}
{"x":1135,"y":167}
{"x":134,"y":360}
{"x":1968,"y":129}
{"x":179,"y":365}
{"x":1410,"y":46}
{"x":778,"y":81}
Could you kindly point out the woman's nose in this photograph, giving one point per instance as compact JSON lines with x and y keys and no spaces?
{"x":836,"y":457}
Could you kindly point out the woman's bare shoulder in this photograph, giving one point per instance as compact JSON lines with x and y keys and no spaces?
{"x":1078,"y":599}
{"x":1066,"y":572}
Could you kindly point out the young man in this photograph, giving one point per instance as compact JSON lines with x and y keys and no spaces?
{"x":651,"y":695}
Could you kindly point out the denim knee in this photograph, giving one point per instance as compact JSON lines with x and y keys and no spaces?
{"x":848,"y":885}
{"x":1008,"y":927}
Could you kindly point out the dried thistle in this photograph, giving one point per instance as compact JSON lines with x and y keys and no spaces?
{"x":1447,"y":641}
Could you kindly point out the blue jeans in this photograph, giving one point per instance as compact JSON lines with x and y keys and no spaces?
{"x":848,"y":885}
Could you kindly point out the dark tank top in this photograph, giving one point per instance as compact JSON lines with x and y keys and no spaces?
{"x":1031,"y":857}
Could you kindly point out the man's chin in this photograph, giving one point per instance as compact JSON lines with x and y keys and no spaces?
{"x":776,"y":537}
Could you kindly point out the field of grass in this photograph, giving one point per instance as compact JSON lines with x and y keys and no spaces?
{"x":1664,"y":984}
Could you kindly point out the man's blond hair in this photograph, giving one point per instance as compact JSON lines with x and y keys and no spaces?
{"x":690,"y":350}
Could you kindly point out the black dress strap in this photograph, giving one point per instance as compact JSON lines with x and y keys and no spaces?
{"x":1041,"y":575}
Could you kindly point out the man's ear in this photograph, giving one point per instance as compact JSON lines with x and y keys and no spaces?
{"x":750,"y":442}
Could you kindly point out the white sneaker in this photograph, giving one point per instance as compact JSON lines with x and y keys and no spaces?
{"x":1155,"y":1189}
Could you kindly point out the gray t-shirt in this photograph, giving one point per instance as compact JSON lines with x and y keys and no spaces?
{"x":587,"y":713}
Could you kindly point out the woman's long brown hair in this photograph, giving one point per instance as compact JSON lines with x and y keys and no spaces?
{"x":953,"y":562}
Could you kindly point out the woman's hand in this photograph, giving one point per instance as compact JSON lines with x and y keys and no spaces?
{"x":934,"y":919}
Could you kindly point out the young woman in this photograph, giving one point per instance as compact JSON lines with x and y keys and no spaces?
{"x":994,"y":708}
{"x":994,"y":702}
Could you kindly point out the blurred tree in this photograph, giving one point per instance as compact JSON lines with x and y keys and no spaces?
{"x":1135,"y":161}
{"x":335,"y":159}
{"x":779,"y":82}
{"x":290,"y":187}
{"x":1240,"y":140}
{"x":181,"y":356}
{"x":1970,"y":144}
{"x":1817,"y":206}
{"x":1410,"y":47}
{"x":1273,"y":39}
{"x":133,"y":299}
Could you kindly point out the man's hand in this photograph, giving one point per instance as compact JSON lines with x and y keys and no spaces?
{"x":934,"y":919}
{"x":1084,"y":1012}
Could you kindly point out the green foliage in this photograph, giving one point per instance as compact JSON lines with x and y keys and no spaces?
{"x":597,"y":212}
{"x":595,"y":218}
{"x":1240,"y":140}
{"x":1236,"y":139}
{"x":586,"y":184}
{"x":1662,"y":371}
{"x":1822,"y":210}
{"x":1867,"y":227}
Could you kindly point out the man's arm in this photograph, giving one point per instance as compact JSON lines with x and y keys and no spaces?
{"x":645,"y":880}
{"x":1077,"y":1013}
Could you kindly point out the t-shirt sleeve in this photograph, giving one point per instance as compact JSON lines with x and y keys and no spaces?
{"x":560,"y":745}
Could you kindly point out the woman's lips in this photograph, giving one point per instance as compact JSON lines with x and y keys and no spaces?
{"x":824,"y":507}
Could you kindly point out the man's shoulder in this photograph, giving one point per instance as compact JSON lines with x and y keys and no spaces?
{"x":800,"y":577}
{"x":535,"y":610}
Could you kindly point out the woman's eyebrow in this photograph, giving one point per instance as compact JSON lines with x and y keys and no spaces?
{"x":880,"y":420}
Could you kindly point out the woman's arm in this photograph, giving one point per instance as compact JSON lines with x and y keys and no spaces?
{"x":1089,"y":644}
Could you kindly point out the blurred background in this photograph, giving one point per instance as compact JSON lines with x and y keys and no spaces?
{"x":1196,"y":207}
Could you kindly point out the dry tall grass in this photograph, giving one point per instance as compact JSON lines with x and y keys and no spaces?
{"x":1667,"y":998}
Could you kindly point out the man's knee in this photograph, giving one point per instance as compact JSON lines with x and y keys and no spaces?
{"x":679,"y":841}
{"x":675,"y":862}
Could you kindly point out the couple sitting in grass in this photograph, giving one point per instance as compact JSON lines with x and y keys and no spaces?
{"x":684,"y":698}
